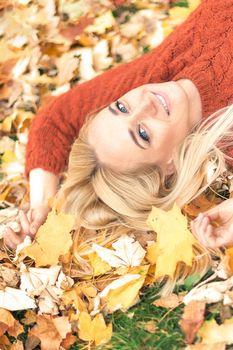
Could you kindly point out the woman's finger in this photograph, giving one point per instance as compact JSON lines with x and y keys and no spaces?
{"x":24,"y":222}
{"x":200,"y":225}
{"x":11,"y":238}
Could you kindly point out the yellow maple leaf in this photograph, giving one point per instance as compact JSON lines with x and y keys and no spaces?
{"x":212,"y":333}
{"x":174,"y":240}
{"x":123,"y":292}
{"x":94,"y":330}
{"x":52,"y":240}
{"x":99,"y":266}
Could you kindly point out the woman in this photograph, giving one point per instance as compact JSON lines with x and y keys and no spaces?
{"x":193,"y":71}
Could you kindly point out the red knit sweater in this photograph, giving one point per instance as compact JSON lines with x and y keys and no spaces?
{"x":201,"y":49}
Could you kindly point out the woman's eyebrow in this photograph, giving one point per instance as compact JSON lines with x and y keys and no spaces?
{"x":113,"y":111}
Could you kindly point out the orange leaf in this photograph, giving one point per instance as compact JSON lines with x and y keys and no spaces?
{"x":171,"y":301}
{"x":192,"y":319}
{"x":68,"y":341}
{"x":229,"y":254}
{"x":6,"y":321}
{"x":51,"y":331}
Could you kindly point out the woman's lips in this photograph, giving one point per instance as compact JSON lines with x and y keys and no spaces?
{"x":164,"y":101}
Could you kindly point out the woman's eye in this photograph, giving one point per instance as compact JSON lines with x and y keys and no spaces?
{"x":143,"y":134}
{"x":121,"y":107}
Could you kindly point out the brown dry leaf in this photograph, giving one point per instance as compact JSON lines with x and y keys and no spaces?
{"x":94,"y":330}
{"x":6,"y":321}
{"x":46,"y":248}
{"x":18,"y":345}
{"x":29,"y":317}
{"x":68,"y":341}
{"x":201,"y":346}
{"x":51,"y":331}
{"x":31,"y":342}
{"x":171,"y":301}
{"x":212,"y":333}
{"x":16,"y":329}
{"x":198,"y":205}
{"x":229,"y":255}
{"x":174,"y":240}
{"x":150,"y":326}
{"x":192,"y":319}
{"x":9,"y":276}
{"x":4,"y":342}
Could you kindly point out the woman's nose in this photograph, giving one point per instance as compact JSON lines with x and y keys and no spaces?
{"x":144,"y":110}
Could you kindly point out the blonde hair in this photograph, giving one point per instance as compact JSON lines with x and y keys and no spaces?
{"x":102,"y":198}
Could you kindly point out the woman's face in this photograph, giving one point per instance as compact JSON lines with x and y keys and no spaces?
{"x":143,"y":126}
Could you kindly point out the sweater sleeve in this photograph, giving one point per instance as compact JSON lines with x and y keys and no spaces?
{"x":56,"y":126}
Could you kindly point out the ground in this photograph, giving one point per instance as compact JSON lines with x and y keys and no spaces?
{"x":101,"y":298}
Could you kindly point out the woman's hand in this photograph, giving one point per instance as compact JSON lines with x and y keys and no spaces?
{"x":29,"y":224}
{"x":214,"y":228}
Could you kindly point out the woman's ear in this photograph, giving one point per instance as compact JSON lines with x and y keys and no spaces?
{"x":169,"y":167}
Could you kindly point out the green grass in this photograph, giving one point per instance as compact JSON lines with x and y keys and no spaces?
{"x":129,"y":328}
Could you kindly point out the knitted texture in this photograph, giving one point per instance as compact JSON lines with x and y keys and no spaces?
{"x":201,"y":49}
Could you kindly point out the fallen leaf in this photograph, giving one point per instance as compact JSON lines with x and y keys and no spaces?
{"x":170,"y":301}
{"x":18,"y":345}
{"x":150,"y":326}
{"x":123,"y":292}
{"x":9,"y":276}
{"x":35,"y":280}
{"x":51,"y":331}
{"x":201,"y":346}
{"x":128,"y":252}
{"x":6,"y":321}
{"x":99,"y":266}
{"x":101,"y":23}
{"x":192,"y":319}
{"x":229,"y":255}
{"x":68,"y":341}
{"x":4,"y":343}
{"x":46,"y":248}
{"x":174,"y":240}
{"x":209,"y":292}
{"x":94,"y":330}
{"x":29,"y":317}
{"x":212,"y":333}
{"x":15,"y":299}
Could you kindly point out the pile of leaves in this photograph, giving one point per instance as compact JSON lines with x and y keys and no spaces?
{"x":67,"y":288}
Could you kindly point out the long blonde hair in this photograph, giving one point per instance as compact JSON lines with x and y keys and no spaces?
{"x":101,"y":198}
